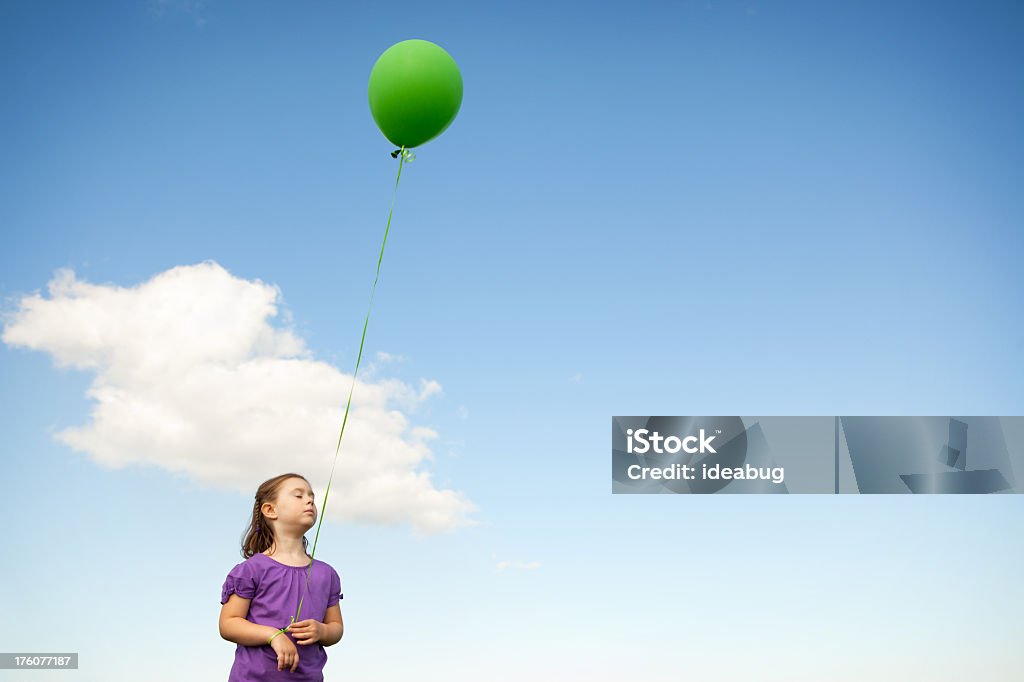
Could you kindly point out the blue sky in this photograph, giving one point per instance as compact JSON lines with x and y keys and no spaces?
{"x":686,"y":208}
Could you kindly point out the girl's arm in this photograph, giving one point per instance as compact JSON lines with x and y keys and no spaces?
{"x":235,"y":628}
{"x":335,"y":626}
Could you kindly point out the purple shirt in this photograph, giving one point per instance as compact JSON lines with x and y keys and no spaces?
{"x":274,"y":590}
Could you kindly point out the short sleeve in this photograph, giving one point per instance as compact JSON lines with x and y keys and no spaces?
{"x":241,"y":581}
{"x":335,"y":595}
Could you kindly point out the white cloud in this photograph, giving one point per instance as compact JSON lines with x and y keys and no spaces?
{"x":196,"y":9}
{"x":521,"y":565}
{"x":191,"y":376}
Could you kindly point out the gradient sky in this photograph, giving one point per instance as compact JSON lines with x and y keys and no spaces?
{"x":653,"y":208}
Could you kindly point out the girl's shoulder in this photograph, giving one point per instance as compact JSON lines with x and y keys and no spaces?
{"x":261,"y":559}
{"x":326,"y":566}
{"x":261,"y":563}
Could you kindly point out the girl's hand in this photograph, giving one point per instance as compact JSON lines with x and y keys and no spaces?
{"x":307,"y":631}
{"x":287,"y":654}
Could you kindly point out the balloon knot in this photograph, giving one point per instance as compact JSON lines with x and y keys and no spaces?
{"x":406,"y":154}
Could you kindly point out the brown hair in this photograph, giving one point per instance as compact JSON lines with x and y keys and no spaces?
{"x":259,"y":536}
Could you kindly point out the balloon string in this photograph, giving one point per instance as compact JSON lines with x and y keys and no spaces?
{"x":404,"y":156}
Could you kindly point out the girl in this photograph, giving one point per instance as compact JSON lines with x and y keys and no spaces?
{"x":278,"y":579}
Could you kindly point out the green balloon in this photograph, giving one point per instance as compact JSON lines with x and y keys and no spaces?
{"x":415,"y":92}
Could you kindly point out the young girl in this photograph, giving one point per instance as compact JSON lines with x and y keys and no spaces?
{"x":262,"y":595}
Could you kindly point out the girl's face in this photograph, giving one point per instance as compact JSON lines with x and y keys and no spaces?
{"x":295,"y":503}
